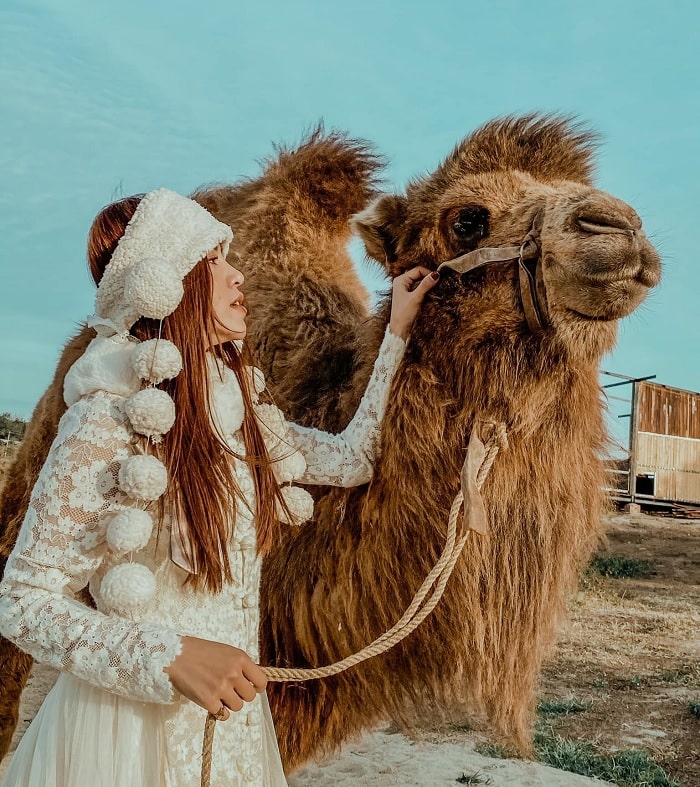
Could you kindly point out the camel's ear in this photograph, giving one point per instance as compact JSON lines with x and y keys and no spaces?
{"x":380,"y":226}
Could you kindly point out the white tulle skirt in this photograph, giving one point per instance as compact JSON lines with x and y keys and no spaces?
{"x":83,"y":736}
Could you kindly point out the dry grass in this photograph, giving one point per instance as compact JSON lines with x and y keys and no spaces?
{"x":4,"y":465}
{"x":620,"y":697}
{"x":622,"y":693}
{"x":631,"y":648}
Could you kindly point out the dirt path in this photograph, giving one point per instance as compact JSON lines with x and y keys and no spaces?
{"x":629,"y":654}
{"x":632,"y":649}
{"x":380,"y":758}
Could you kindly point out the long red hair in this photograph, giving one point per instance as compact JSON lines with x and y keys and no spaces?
{"x":202,"y":489}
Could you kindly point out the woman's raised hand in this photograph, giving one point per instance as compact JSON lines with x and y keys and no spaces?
{"x":408,"y":291}
{"x":215,"y":675}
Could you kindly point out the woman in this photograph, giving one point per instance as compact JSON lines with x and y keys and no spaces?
{"x":163,"y":490}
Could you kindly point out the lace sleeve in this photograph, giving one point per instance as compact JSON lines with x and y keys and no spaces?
{"x":347,"y":459}
{"x":61,"y":544}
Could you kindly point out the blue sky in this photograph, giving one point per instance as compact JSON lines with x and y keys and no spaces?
{"x":99,"y":100}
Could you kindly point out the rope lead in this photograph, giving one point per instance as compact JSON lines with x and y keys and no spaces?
{"x":421,"y":605}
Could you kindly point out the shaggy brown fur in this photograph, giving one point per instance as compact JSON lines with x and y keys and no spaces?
{"x":335,"y":584}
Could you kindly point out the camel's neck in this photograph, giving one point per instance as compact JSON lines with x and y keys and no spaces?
{"x":547,"y":397}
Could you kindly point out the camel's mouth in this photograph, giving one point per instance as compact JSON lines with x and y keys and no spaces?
{"x":616,"y":308}
{"x":592,"y":318}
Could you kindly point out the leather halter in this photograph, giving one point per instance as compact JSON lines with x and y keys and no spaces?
{"x":532,"y":291}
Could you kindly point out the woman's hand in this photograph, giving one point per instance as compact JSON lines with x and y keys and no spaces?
{"x":408,"y":291}
{"x":214,"y":675}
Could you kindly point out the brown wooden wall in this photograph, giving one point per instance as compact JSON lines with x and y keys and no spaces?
{"x":667,"y":442}
{"x":675,"y":461}
{"x":670,"y":411}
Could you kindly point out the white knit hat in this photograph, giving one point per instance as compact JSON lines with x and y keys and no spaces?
{"x":166,"y":237}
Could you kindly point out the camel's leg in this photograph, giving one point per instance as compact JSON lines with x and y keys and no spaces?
{"x":316,"y":717}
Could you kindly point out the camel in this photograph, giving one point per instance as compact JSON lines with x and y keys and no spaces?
{"x":336,"y":583}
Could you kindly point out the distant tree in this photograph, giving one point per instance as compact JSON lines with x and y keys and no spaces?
{"x":11,"y":427}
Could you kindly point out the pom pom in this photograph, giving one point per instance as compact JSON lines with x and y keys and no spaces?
{"x":271,"y":422}
{"x":300,"y":505}
{"x":129,"y":530}
{"x":154,"y":288}
{"x":128,"y":586}
{"x":156,"y":360}
{"x":151,"y":412}
{"x":143,"y":477}
{"x":227,"y":406}
{"x":289,"y":468}
{"x":288,"y":464}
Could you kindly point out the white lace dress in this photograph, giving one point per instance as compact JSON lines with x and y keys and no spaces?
{"x":113,"y":717}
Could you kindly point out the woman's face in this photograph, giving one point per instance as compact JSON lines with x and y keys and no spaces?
{"x":227,"y":300}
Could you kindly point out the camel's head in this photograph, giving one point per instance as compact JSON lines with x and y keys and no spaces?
{"x":594,"y":265}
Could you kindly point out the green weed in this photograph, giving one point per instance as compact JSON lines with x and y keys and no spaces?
{"x":562,"y":707}
{"x":633,"y":682}
{"x":474,"y":778}
{"x":495,"y":750}
{"x":619,"y":567}
{"x":461,"y":726}
{"x":632,"y":768}
{"x":684,"y":676}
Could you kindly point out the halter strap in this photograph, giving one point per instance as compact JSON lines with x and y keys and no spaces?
{"x":533,"y":297}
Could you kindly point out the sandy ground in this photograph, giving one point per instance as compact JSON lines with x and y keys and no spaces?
{"x":380,"y":758}
{"x":630,"y":650}
{"x":383,"y":758}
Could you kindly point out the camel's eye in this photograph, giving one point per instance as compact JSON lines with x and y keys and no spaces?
{"x":471,"y":224}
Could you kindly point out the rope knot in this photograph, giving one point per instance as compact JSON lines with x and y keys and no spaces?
{"x":493,"y":432}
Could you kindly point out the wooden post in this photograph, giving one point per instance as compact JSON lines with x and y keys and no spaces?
{"x":633,"y":442}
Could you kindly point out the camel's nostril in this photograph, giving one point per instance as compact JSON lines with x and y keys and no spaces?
{"x":601,"y":219}
{"x":598,"y":223}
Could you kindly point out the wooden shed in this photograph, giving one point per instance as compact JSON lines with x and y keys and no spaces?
{"x":664,"y":444}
